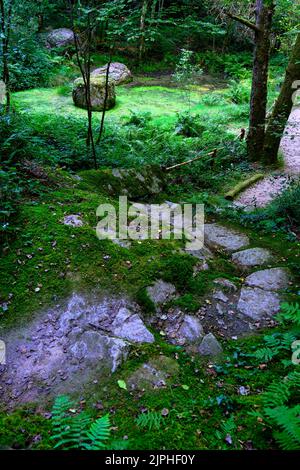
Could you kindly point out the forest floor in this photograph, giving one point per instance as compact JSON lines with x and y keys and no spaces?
{"x":263,"y":192}
{"x":66,"y":292}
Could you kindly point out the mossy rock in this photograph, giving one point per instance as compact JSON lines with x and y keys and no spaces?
{"x":155,"y":374}
{"x":134,"y":183}
{"x":98,"y":92}
{"x":118,"y":73}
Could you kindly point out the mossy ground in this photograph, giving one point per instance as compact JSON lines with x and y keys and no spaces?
{"x":47,"y":260}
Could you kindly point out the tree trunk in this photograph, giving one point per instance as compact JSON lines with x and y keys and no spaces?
{"x":259,"y":93}
{"x":283,"y":106}
{"x":145,"y":6}
{"x":5,"y":24}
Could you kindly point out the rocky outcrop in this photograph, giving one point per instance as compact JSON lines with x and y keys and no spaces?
{"x":118,"y":73}
{"x":131,"y":182}
{"x":98,"y":94}
{"x":69,"y":347}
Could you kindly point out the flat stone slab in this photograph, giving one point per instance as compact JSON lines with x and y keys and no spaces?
{"x":252,"y":257}
{"x":257,"y":303}
{"x":269,"y":279}
{"x":220,"y":237}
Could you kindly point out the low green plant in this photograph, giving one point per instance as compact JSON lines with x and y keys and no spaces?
{"x":150,"y":420}
{"x":76,"y":430}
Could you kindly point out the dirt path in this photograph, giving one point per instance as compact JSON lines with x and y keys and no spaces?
{"x":260,"y":194}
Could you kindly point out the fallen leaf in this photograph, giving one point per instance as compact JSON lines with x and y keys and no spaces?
{"x":122,"y":384}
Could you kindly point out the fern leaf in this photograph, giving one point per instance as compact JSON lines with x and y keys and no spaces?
{"x":97,"y":434}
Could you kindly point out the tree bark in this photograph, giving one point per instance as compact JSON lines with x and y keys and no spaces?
{"x":5,"y":25}
{"x":283,"y":106}
{"x":259,"y":93}
{"x":83,"y":57}
{"x":145,"y":6}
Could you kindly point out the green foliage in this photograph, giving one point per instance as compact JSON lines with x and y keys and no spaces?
{"x":289,"y":313}
{"x":139,"y":119}
{"x":72,"y":430}
{"x":178,"y":269}
{"x":237,"y":65}
{"x":150,"y":420}
{"x":239,"y":92}
{"x":189,"y":125}
{"x":281,"y":410}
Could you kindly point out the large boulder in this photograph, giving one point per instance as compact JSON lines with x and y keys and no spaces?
{"x":62,"y":37}
{"x":98,"y":93}
{"x":118,"y":73}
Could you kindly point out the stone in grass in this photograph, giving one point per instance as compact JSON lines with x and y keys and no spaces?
{"x":154,"y":374}
{"x":161,"y":292}
{"x":252,"y":257}
{"x":191,"y":330}
{"x":269,"y":279}
{"x":210,"y":346}
{"x":98,"y":94}
{"x":257,"y":303}
{"x":73,"y":220}
{"x":219,"y":237}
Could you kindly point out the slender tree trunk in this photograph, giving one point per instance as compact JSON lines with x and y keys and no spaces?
{"x":105,"y":101}
{"x":283,"y":106}
{"x":145,"y":6}
{"x":83,"y":57}
{"x":259,"y":93}
{"x":5,"y":25}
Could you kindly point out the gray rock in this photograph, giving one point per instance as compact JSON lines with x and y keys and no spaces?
{"x":118,"y":73}
{"x":252,"y":257}
{"x":204,"y":254}
{"x":61,"y":37}
{"x":257,"y":303}
{"x":269,"y":279}
{"x":98,"y":94}
{"x":191,"y":330}
{"x":129,"y":326}
{"x":219,"y":237}
{"x":228,"y":285}
{"x":73,"y":220}
{"x":210,"y":346}
{"x":219,"y":295}
{"x":161,"y":292}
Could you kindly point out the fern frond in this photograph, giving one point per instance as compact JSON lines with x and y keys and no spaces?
{"x":276,"y":394}
{"x":150,"y":420}
{"x":97,"y":434}
{"x":289,"y":313}
{"x":288,"y":420}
